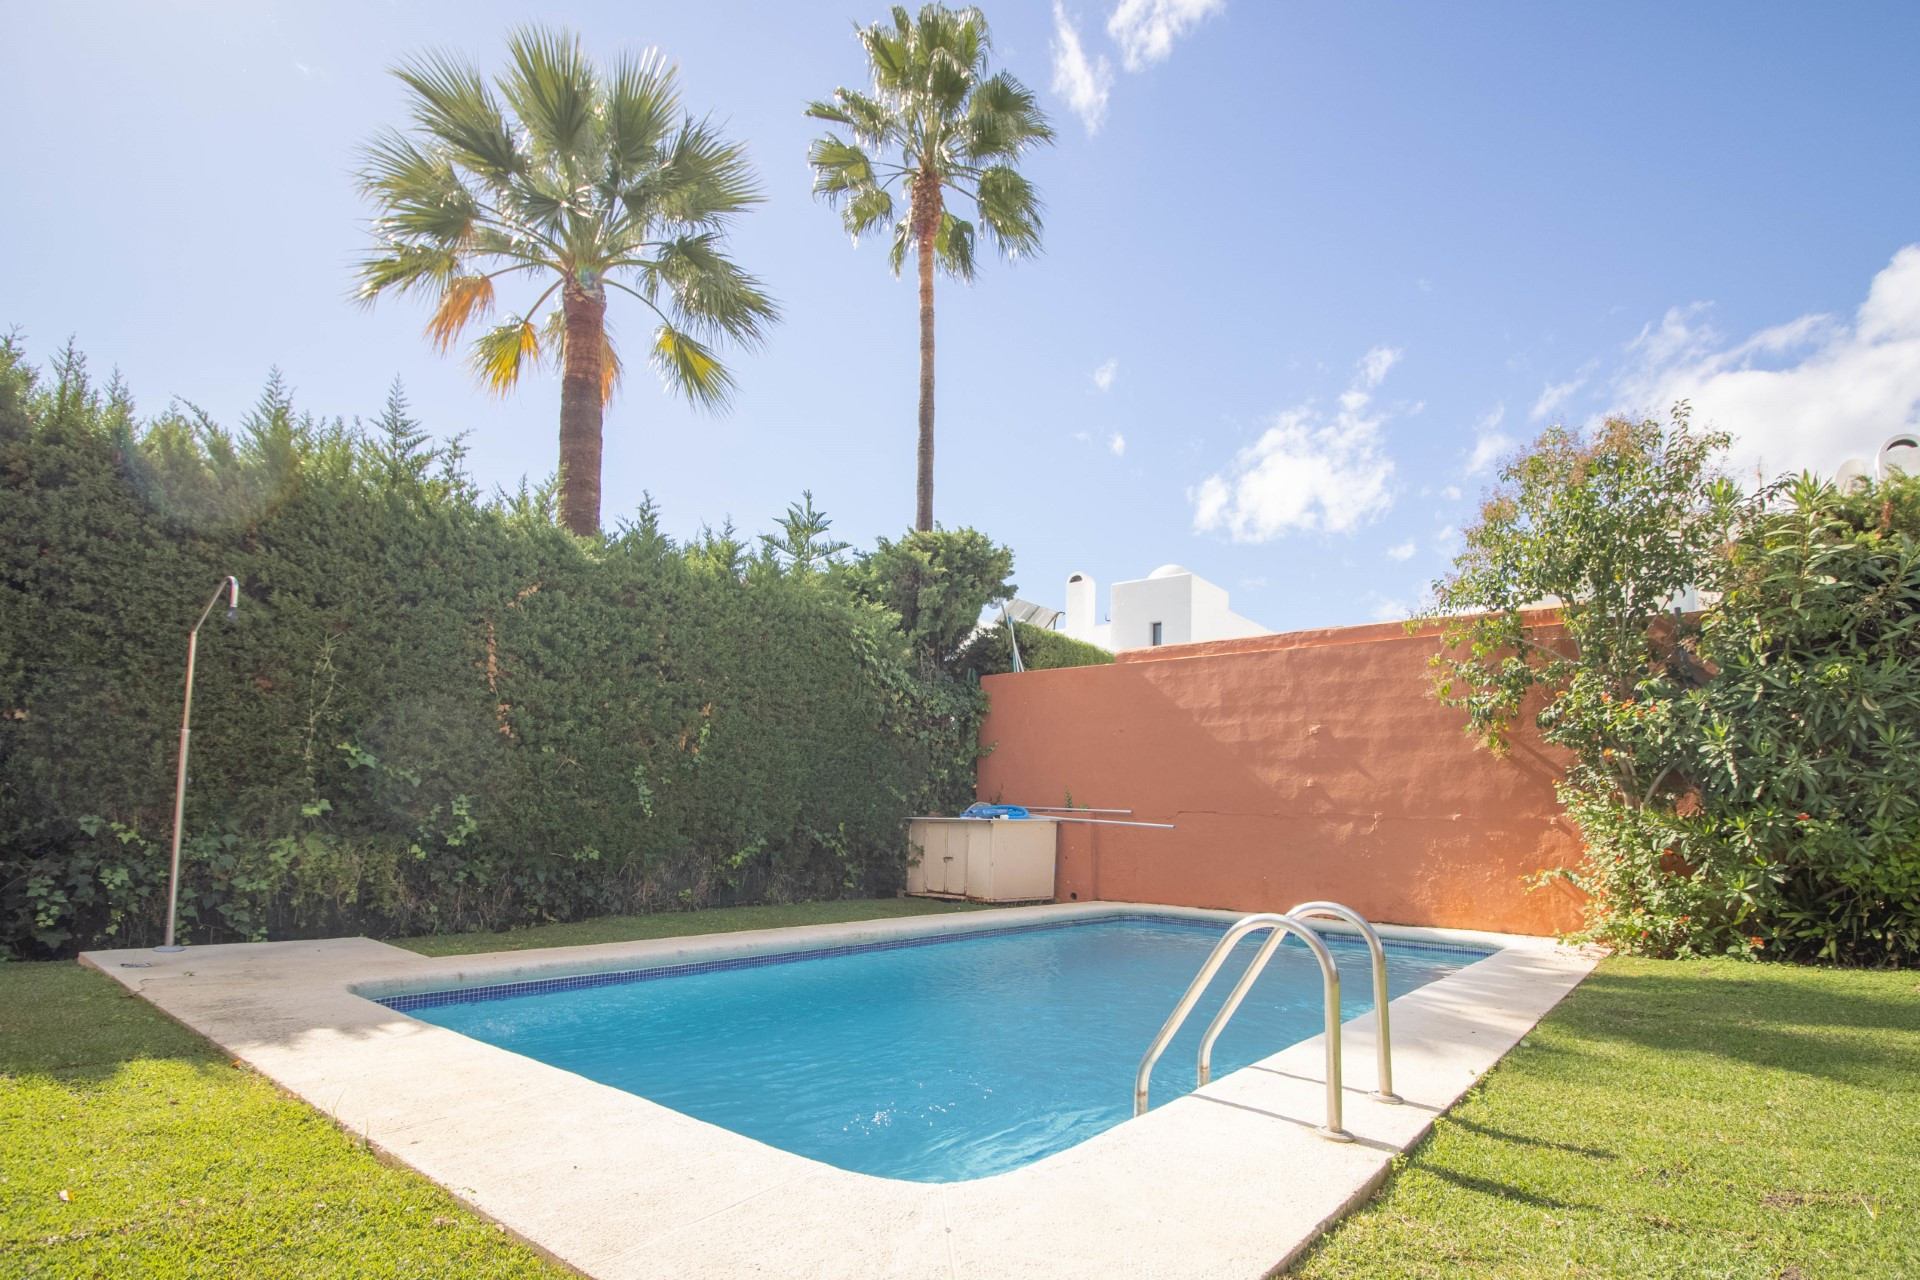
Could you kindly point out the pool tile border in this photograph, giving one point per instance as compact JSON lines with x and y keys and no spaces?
{"x":408,"y":1002}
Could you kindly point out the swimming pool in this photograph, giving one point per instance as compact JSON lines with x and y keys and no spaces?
{"x":931,"y":1059}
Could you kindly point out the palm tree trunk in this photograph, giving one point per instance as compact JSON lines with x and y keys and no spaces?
{"x":582,"y":402}
{"x":926,"y":220}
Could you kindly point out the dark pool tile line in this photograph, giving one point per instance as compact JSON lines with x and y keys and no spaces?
{"x":407,"y":1003}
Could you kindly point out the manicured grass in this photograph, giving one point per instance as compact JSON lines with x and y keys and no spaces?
{"x":1754,"y":1122}
{"x":176,"y":1163}
{"x":679,"y":924}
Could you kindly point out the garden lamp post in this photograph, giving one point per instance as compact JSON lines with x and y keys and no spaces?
{"x":232,"y":589}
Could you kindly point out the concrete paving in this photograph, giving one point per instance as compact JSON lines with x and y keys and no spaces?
{"x":1228,"y":1181}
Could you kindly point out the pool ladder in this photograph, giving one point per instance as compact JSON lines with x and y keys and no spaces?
{"x":1278,"y":926}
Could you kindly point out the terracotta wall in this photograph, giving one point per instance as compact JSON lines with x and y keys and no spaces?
{"x":1309,"y":765}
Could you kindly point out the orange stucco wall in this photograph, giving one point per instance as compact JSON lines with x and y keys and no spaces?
{"x":1310,"y":765}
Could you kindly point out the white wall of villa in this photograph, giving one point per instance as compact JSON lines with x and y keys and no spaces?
{"x":1171,"y":605}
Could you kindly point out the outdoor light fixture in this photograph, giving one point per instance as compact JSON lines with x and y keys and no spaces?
{"x":231,"y":586}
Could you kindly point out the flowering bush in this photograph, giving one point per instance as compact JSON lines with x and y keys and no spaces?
{"x":1744,"y":776}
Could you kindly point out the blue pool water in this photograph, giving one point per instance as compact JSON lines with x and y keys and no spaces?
{"x":933,"y":1063}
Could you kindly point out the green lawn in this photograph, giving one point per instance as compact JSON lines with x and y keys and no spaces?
{"x":1672,"y":1119}
{"x":680,"y":924}
{"x":1667,"y":1120}
{"x":175,"y":1163}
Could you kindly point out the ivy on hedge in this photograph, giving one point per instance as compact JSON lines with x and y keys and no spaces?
{"x":435,"y":711}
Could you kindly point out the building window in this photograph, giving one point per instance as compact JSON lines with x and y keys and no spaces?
{"x":1156,"y":633}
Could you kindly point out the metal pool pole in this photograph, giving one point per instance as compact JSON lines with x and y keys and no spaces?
{"x":232,"y":587}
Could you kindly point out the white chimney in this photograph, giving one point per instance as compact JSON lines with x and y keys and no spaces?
{"x":1081,"y":598}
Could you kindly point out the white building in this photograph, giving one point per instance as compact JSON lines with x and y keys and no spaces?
{"x":1171,"y":605}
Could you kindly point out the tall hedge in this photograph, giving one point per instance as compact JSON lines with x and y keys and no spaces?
{"x":435,"y":711}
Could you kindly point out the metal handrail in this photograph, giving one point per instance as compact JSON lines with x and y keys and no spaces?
{"x":1280,"y":926}
{"x":1383,"y":1049}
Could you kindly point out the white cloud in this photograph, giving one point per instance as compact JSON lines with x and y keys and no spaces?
{"x":1083,"y":82}
{"x":1083,"y":437}
{"x":1103,"y":376}
{"x":1404,"y":551}
{"x":1375,"y":364}
{"x":1447,"y":541}
{"x":1808,"y":393}
{"x":1146,"y":29}
{"x":1117,"y":443}
{"x":1489,"y":444}
{"x":1451,"y":493}
{"x":1555,"y":394}
{"x":1386,"y":610}
{"x":1307,"y":471}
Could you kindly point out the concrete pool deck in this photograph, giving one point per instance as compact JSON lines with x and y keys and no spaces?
{"x":1227,"y":1181}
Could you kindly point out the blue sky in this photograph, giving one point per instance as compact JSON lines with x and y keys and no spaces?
{"x":1309,"y":267}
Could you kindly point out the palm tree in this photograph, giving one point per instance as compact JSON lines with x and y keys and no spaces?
{"x":583,"y":183}
{"x":937,"y":127}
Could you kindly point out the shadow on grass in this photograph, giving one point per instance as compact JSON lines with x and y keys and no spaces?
{"x":72,"y":1023}
{"x":1501,"y":1190}
{"x":1501,"y":1135}
{"x":1812,"y":1022}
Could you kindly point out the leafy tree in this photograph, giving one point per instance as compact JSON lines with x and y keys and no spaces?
{"x":582,"y":182}
{"x":936,"y":128}
{"x":1609,"y":529}
{"x":1742,"y":776}
{"x":936,"y":583}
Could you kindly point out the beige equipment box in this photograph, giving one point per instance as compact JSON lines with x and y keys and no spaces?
{"x":982,"y":859}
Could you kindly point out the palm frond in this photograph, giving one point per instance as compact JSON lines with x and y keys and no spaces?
{"x":552,"y":90}
{"x":839,"y":167}
{"x":404,"y":268}
{"x":610,"y":366}
{"x":1010,"y":207}
{"x":452,"y":103}
{"x":642,"y":97}
{"x":690,"y":367}
{"x":463,"y":299}
{"x":902,"y":244}
{"x":501,"y":354}
{"x":874,"y":123}
{"x":542,"y":202}
{"x":701,"y":181}
{"x":887,"y":51}
{"x":709,"y":291}
{"x":953,"y":245}
{"x":416,"y":191}
{"x":946,"y":81}
{"x":843,"y":175}
{"x":1003,"y":120}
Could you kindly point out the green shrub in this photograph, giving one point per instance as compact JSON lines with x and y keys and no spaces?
{"x":1800,"y":755}
{"x":434,"y":711}
{"x":989,"y":654}
{"x":937,"y":582}
{"x":1744,"y":778}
